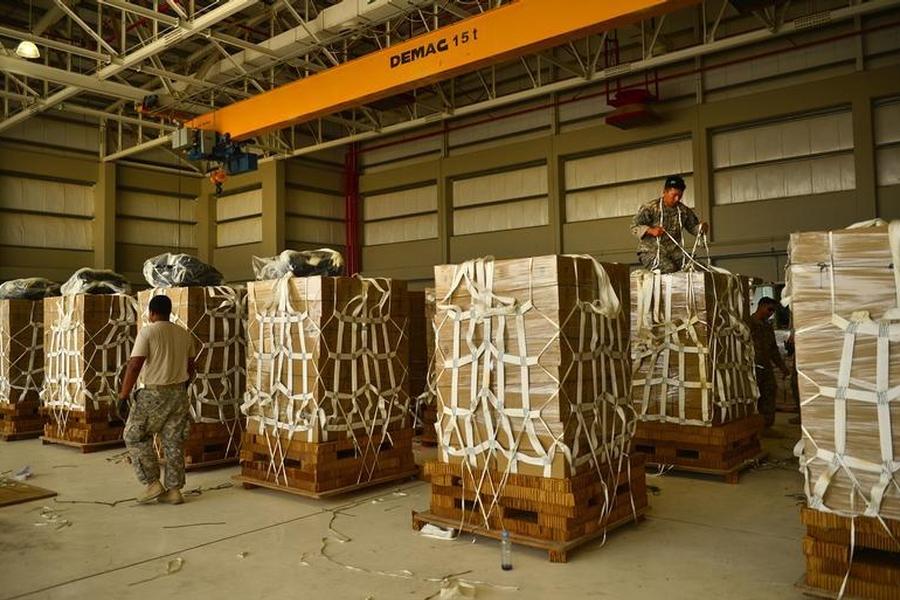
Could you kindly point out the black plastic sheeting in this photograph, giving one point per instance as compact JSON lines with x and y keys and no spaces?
{"x":32,"y":288}
{"x":95,"y":281}
{"x":306,"y":263}
{"x":180,"y":270}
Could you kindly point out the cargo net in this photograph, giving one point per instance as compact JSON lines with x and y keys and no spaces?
{"x":22,"y":364}
{"x":83,"y":368}
{"x":603,"y":421}
{"x":666,"y":346}
{"x":217,"y":388}
{"x":322,"y":409}
{"x":860,"y":329}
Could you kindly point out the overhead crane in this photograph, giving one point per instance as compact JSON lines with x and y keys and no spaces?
{"x":507,"y":32}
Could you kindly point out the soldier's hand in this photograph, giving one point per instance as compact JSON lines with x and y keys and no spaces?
{"x":703,"y":228}
{"x":656,"y":232}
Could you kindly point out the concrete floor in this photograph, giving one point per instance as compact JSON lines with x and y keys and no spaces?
{"x":702,"y":539}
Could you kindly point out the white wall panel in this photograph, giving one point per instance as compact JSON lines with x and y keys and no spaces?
{"x":816,"y":175}
{"x":617,"y":201}
{"x":64,"y":134}
{"x":886,"y":117}
{"x":242,"y":204}
{"x":888,"y":160}
{"x":656,"y":160}
{"x":235,"y":233}
{"x":501,"y":217}
{"x":155,"y":233}
{"x":300,"y":229}
{"x":38,"y":195}
{"x":400,"y":203}
{"x":424,"y":147}
{"x":783,"y":140}
{"x":317,"y":204}
{"x":43,"y":231}
{"x":153,"y":205}
{"x":508,"y":185}
{"x":484,"y":132}
{"x":403,"y":229}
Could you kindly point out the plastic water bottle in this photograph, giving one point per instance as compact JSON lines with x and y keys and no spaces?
{"x":505,"y":551}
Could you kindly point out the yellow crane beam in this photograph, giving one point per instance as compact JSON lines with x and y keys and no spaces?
{"x":515,"y":29}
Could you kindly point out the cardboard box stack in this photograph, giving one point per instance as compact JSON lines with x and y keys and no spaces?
{"x":532,"y":379}
{"x":327,"y":399}
{"x":21,"y":368}
{"x":215,"y":317}
{"x":87,"y":343}
{"x":845,"y":297}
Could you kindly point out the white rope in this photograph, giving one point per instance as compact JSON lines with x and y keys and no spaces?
{"x":21,"y":364}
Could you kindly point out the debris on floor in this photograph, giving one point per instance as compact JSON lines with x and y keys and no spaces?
{"x":23,"y":473}
{"x":52,"y":518}
{"x":172,"y":567}
{"x":438,"y":533}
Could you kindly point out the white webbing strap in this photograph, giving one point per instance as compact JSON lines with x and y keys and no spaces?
{"x":72,"y":380}
{"x":320,"y":409}
{"x":16,"y":379}
{"x":478,"y":349}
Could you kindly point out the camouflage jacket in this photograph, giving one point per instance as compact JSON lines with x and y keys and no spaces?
{"x":765,"y":347}
{"x":672,"y":220}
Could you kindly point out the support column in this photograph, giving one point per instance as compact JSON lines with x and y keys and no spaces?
{"x":864,"y":158}
{"x":104,"y":225}
{"x":273,"y":206}
{"x":206,"y":222}
{"x":703,"y":172}
{"x":556,"y":194}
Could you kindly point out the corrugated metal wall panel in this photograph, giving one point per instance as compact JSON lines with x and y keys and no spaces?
{"x":143,"y":232}
{"x":316,"y":204}
{"x":617,"y":201}
{"x":501,"y":217}
{"x":152,"y":205}
{"x":319,"y":231}
{"x":403,"y":229}
{"x":507,"y":185}
{"x":236,"y":233}
{"x":45,"y":231}
{"x":241,"y":204}
{"x":400,"y":203}
{"x":39,"y":195}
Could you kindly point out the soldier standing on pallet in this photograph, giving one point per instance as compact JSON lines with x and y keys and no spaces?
{"x":765,"y":349}
{"x":163,"y":355}
{"x":660,"y":222}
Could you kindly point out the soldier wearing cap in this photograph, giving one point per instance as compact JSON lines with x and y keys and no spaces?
{"x":660,"y":222}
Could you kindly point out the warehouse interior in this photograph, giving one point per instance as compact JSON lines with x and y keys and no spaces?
{"x":781,"y":116}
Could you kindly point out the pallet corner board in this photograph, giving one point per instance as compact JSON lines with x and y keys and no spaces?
{"x":85,"y":448}
{"x":731,"y":475}
{"x":251,"y":483}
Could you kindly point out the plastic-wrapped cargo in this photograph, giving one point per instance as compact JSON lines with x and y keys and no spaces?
{"x":532,"y":372}
{"x":307,"y":263}
{"x":845,"y":298}
{"x":32,"y":288}
{"x":179,"y":270}
{"x":691,"y":347}
{"x":95,"y":281}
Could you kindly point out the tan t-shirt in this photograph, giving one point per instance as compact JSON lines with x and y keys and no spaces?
{"x":167,"y":348}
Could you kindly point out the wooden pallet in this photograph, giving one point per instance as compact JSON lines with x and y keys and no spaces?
{"x":16,"y":492}
{"x":88,"y":430}
{"x":721,"y":450}
{"x":210,"y":445}
{"x":21,"y":421}
{"x":872,"y":561}
{"x":556,"y":515}
{"x":317,"y":470}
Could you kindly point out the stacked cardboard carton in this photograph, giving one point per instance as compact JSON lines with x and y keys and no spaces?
{"x":845,"y":297}
{"x":87,"y":343}
{"x":327,"y":398}
{"x":21,"y":368}
{"x":694,"y":385}
{"x":215,"y":318}
{"x":532,"y":380}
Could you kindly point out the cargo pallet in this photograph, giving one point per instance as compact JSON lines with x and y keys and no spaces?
{"x":323,"y":469}
{"x":721,"y":450}
{"x":556,"y":515}
{"x":21,"y":421}
{"x":89,"y":430}
{"x":873,"y":560}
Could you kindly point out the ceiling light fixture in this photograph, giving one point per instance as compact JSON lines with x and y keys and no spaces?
{"x":27,"y":49}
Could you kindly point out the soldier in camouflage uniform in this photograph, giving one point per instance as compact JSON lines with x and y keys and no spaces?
{"x":767,"y":357}
{"x":163,"y":356}
{"x":657,"y":220}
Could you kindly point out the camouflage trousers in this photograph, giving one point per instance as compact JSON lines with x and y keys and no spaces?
{"x":163,"y":412}
{"x":669,"y":262}
{"x":768,"y":388}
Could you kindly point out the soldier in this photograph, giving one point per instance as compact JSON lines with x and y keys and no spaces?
{"x":657,"y":220}
{"x":767,"y":356}
{"x":163,"y":356}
